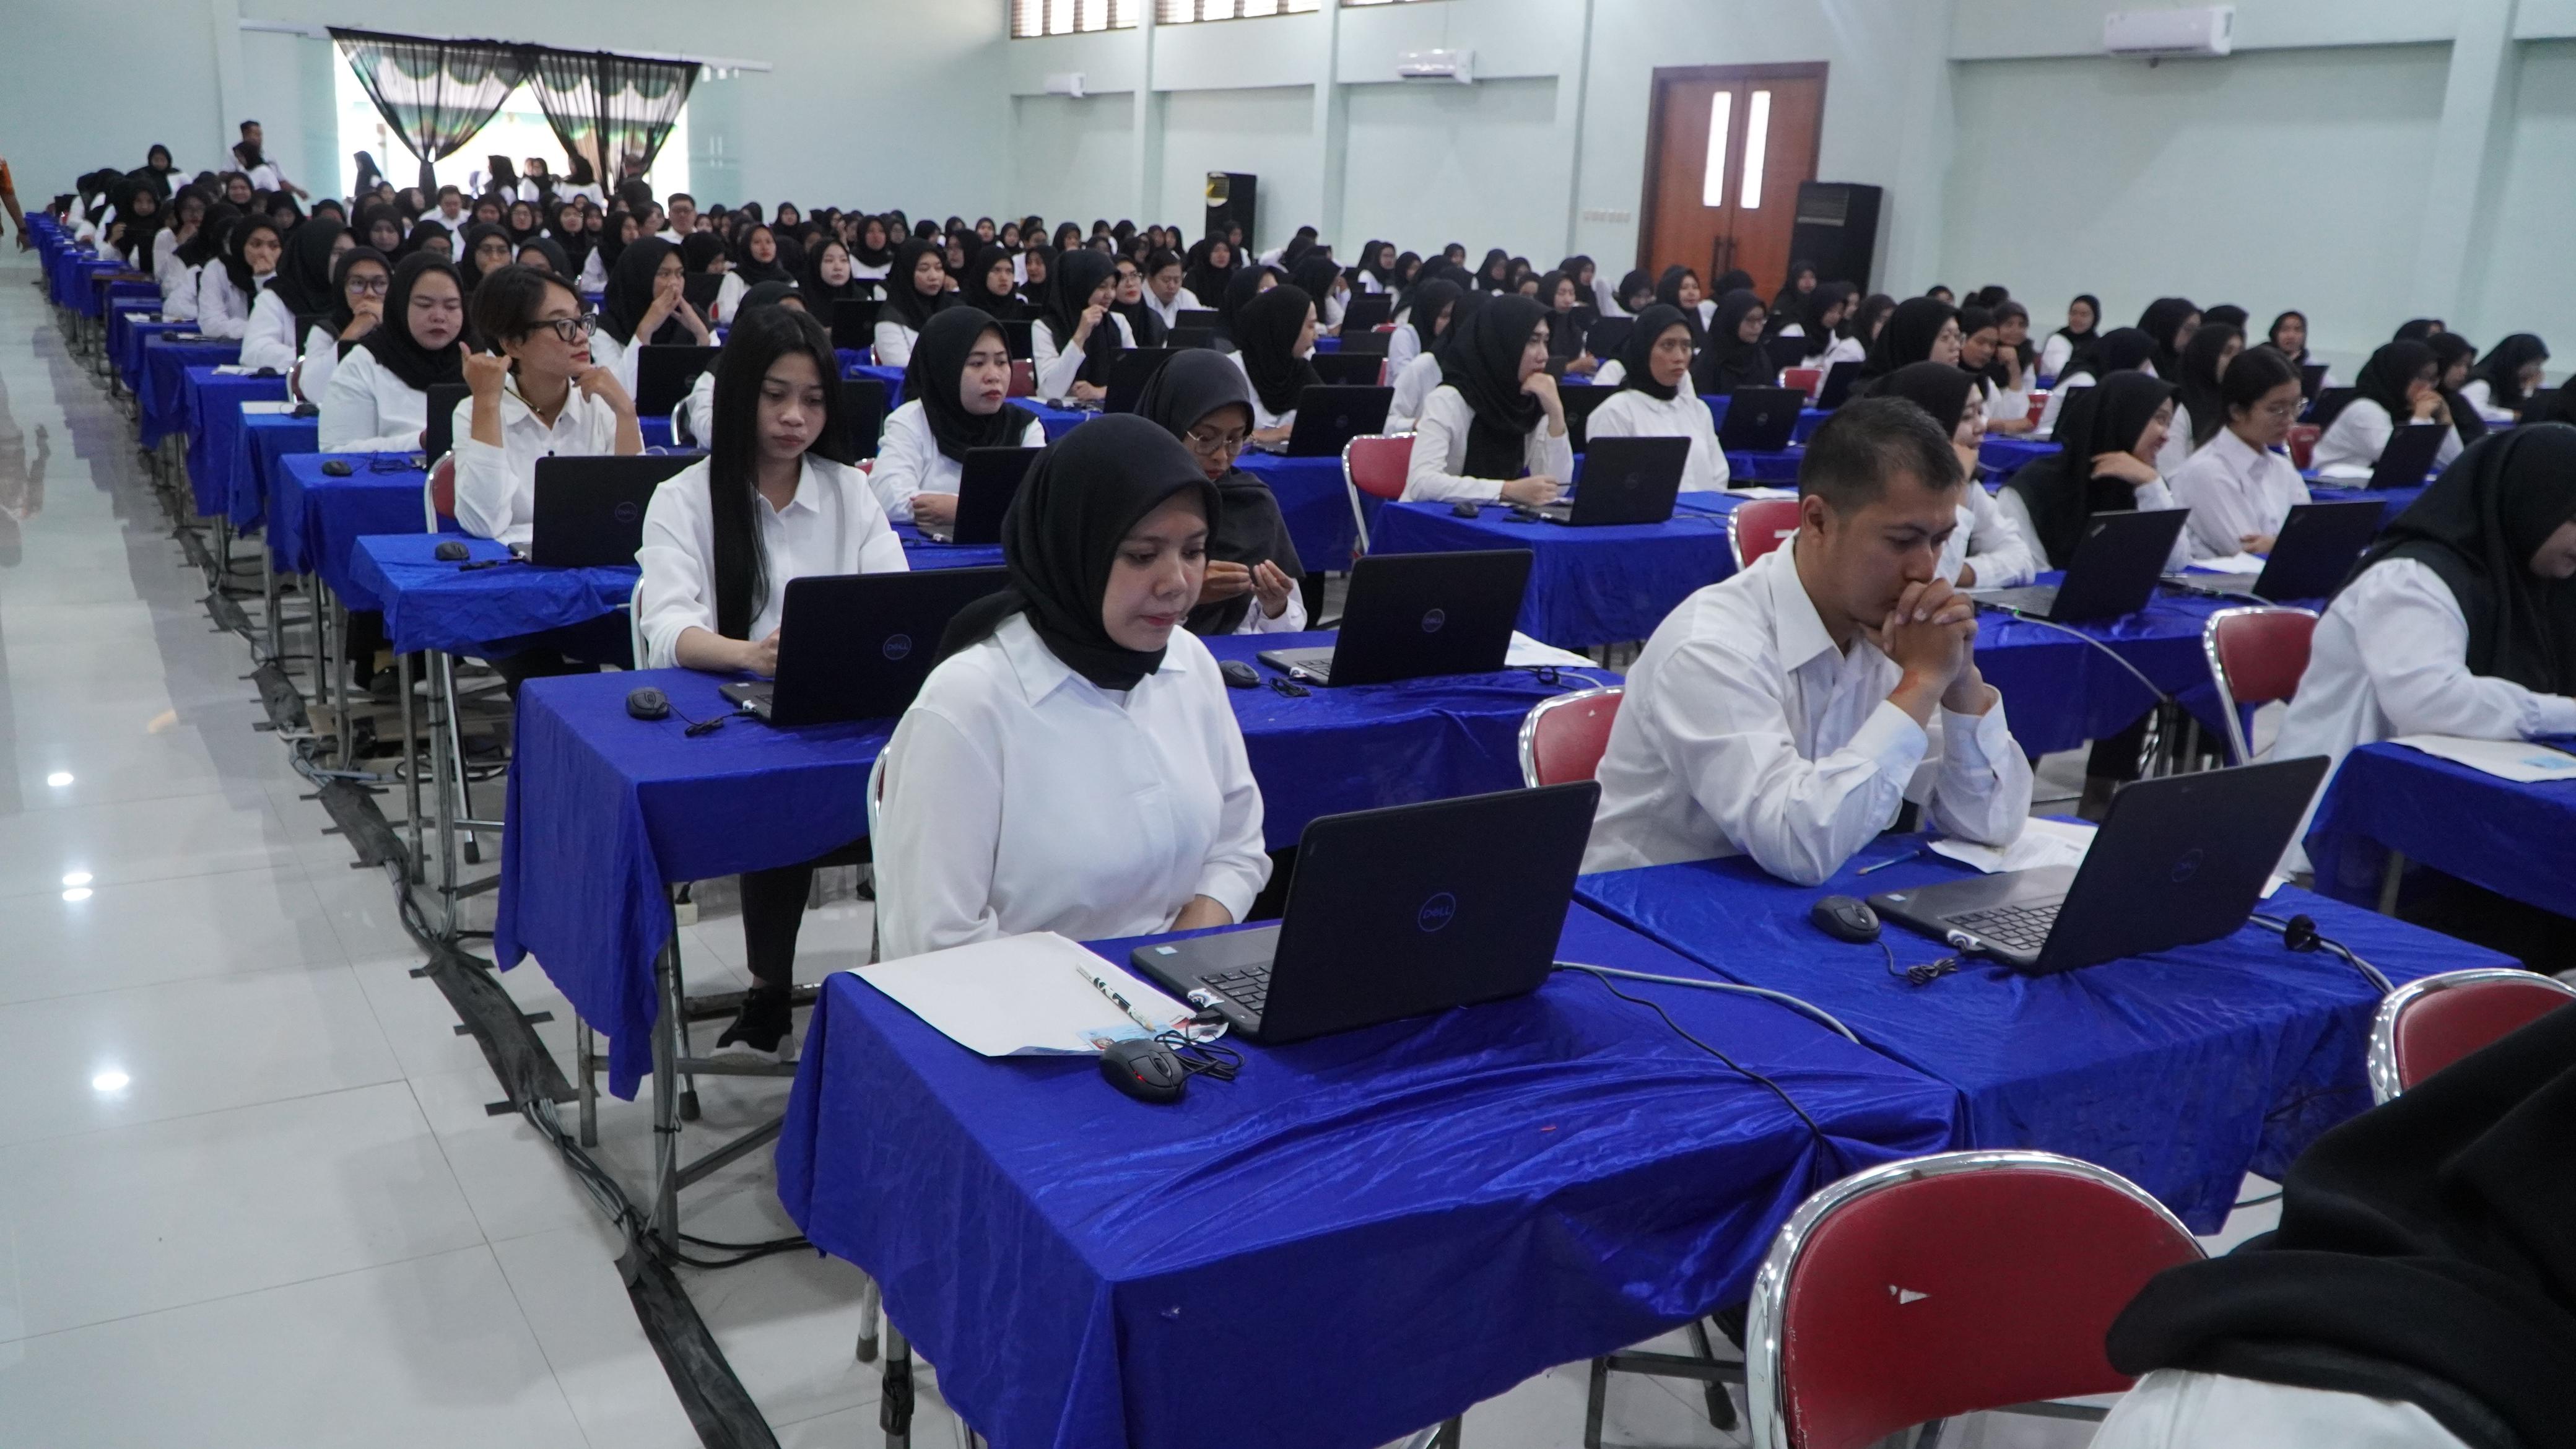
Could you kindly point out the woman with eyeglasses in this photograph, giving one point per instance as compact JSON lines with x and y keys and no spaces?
{"x":957,"y":397}
{"x":1252,"y":565}
{"x":360,"y":277}
{"x":540,"y":396}
{"x":2239,"y":491}
{"x":378,"y":401}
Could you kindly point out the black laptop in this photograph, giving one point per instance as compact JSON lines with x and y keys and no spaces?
{"x":987,"y":481}
{"x":1625,"y":480}
{"x":863,"y":415}
{"x":1411,"y":615}
{"x":2178,"y":861}
{"x":1760,"y":419}
{"x":1394,"y":913}
{"x":2328,"y":402}
{"x":1365,"y":343}
{"x":858,"y":646}
{"x":1349,"y":369}
{"x":438,"y":428}
{"x":1016,"y":338}
{"x":1608,"y":335}
{"x":2115,"y":570}
{"x":664,"y":374}
{"x":854,"y":324}
{"x":1204,"y":318}
{"x":1837,"y":385}
{"x":1328,"y":417}
{"x":2408,"y":456}
{"x":590,"y":511}
{"x":1365,"y":311}
{"x":2312,"y":378}
{"x":1128,"y":375}
{"x":1786,"y":352}
{"x":1581,"y":401}
{"x":2317,"y":545}
{"x":699,"y":290}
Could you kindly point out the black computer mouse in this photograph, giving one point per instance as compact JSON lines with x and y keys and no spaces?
{"x":450,"y":552}
{"x":335,"y":468}
{"x":648,"y":703}
{"x":1239,"y":675}
{"x":1464,"y":510}
{"x":1144,"y":1069}
{"x":1845,"y":918}
{"x":308,"y":410}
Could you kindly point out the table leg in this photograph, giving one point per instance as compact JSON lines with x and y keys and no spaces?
{"x":268,"y":598}
{"x":585,"y":1048}
{"x":666,"y":1095}
{"x":871,"y":1299}
{"x":894,"y":1393}
{"x":223,"y":550}
{"x":2389,"y":879}
{"x":439,"y":763}
{"x":340,"y":689}
{"x":411,"y":769}
{"x":305,"y":585}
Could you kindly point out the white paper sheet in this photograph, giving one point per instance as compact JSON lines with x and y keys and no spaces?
{"x":266,"y":407}
{"x":1763,"y":492}
{"x":1526,"y":652}
{"x":2042,"y":842}
{"x":1021,"y":996}
{"x":2247,"y":564}
{"x":2517,"y":760}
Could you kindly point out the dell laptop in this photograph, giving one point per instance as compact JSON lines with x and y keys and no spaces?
{"x":590,"y":510}
{"x":863,"y":415}
{"x":1410,"y":615}
{"x":2316,"y":547}
{"x":2178,"y":861}
{"x":986,"y":483}
{"x":854,"y":324}
{"x":2115,"y":570}
{"x":858,"y":646}
{"x":1128,"y":375}
{"x":1394,"y":913}
{"x":2409,"y":456}
{"x":1369,"y":343}
{"x":1329,"y":417}
{"x":1365,"y":312}
{"x":1581,"y":401}
{"x":1349,"y":369}
{"x":664,"y":374}
{"x":1760,"y":419}
{"x":1837,"y":385}
{"x":2328,"y":403}
{"x":1625,"y":480}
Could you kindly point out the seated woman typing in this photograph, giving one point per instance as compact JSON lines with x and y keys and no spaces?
{"x":1654,"y":399}
{"x":2111,"y":436}
{"x":2239,"y":491}
{"x":378,"y":401}
{"x":1735,"y":355}
{"x":1253,"y":569}
{"x":723,"y":539}
{"x":957,"y":398}
{"x":1495,"y":427}
{"x":301,"y":288}
{"x":1075,"y":343}
{"x":1072,"y":764}
{"x":359,"y":280}
{"x":917,"y":288}
{"x":1789,"y":712}
{"x":2399,"y":385}
{"x":1986,"y":551}
{"x":1274,"y":340}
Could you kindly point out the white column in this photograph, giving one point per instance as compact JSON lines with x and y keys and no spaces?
{"x":2477,"y":114}
{"x":1146,"y":140}
{"x":1332,"y":132}
{"x":1570,"y":118}
{"x":232,"y":91}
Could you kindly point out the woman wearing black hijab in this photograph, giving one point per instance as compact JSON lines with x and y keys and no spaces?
{"x":1377,"y":267}
{"x":1985,"y":551}
{"x":431,"y":237}
{"x":989,"y":285}
{"x":360,"y":278}
{"x":1922,"y":329}
{"x":1248,"y":283}
{"x":872,"y":248}
{"x":1273,"y":336}
{"x":1253,"y":569}
{"x":301,"y":288}
{"x":191,"y":257}
{"x":2417,"y":329}
{"x":759,"y":256}
{"x":1412,"y":365}
{"x":1495,"y":427}
{"x":956,"y":398}
{"x":2454,"y":354}
{"x":1654,"y":397}
{"x":2506,"y":377}
{"x":643,"y":306}
{"x":1072,"y":763}
{"x":1493,"y":274}
{"x":1076,"y":343}
{"x":1678,"y":288}
{"x":2169,"y":322}
{"x":542,"y":252}
{"x":2200,"y":407}
{"x":487,"y":249}
{"x":1735,"y":355}
{"x":2400,"y":385}
{"x":1636,"y":292}
{"x":2122,"y":349}
{"x":915,"y":290}
{"x":2083,"y":324}
{"x":378,"y":401}
{"x":1212,"y":269}
{"x":2111,"y":435}
{"x":564,"y":225}
{"x":1820,"y":323}
{"x":1790,"y":304}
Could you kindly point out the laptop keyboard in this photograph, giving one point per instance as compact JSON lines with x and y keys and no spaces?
{"x":1248,"y":988}
{"x":2022,"y":928}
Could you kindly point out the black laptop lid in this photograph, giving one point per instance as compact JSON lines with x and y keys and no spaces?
{"x":1786,"y":351}
{"x":438,"y":430}
{"x":1195,"y":317}
{"x":2312,"y":378}
{"x":854,"y":324}
{"x":858,"y":646}
{"x":1760,"y":419}
{"x":2408,"y":456}
{"x":1128,"y":375}
{"x":863,"y":415}
{"x":2318,"y":544}
{"x":1630,"y":480}
{"x":1329,"y":417}
{"x":590,"y":511}
{"x":1838,"y":385}
{"x":663,"y":375}
{"x":1349,"y":369}
{"x":1367,"y":342}
{"x":1608,"y":335}
{"x":2330,"y":401}
{"x":1581,"y":401}
{"x":1015,"y":338}
{"x":1412,"y":615}
{"x":2117,"y":563}
{"x":1365,"y":311}
{"x":987,"y":481}
{"x":1181,"y":337}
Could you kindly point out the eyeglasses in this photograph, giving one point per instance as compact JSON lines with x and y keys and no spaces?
{"x":1224,"y":445}
{"x":371,"y":286}
{"x":2283,"y":409}
{"x":572,"y":329}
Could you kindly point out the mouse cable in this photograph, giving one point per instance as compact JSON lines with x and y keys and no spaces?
{"x":1807,"y":1008}
{"x":2078,"y":634}
{"x":1603,"y":975}
{"x":1922,"y":975}
{"x":2299,"y":933}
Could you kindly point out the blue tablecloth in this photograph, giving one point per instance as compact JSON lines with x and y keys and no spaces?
{"x":434,"y":604}
{"x":2007,"y":456}
{"x":1359,"y":1236}
{"x":125,"y":343}
{"x":162,"y":400}
{"x":86,"y":296}
{"x":2514,"y":839}
{"x":892,"y":377}
{"x":315,"y":520}
{"x":266,"y":440}
{"x":2060,"y":692}
{"x":1587,"y":586}
{"x":210,"y":412}
{"x":2395,"y":500}
{"x":2181,"y":1071}
{"x":605,"y":811}
{"x":1316,"y":504}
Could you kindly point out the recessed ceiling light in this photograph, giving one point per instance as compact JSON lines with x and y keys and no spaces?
{"x":110,"y":1080}
{"x":59,"y":778}
{"x":78,"y":877}
{"x":77,"y":893}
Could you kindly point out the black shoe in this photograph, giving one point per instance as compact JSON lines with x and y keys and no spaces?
{"x":765,"y":1028}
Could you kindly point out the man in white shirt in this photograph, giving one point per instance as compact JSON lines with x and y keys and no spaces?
{"x":1164,"y":293}
{"x":451,"y":210}
{"x":1789,"y":712}
{"x":263,"y":173}
{"x":684,"y":218}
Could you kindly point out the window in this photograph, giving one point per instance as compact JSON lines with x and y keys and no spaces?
{"x":1068,"y":17}
{"x":1757,"y":140}
{"x":1712,"y":182}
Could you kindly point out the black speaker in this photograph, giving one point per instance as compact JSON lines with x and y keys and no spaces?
{"x":1836,"y":228}
{"x":1230,"y":202}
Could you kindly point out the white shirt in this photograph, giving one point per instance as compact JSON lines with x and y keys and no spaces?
{"x":319,"y":363}
{"x":268,"y":339}
{"x":1745,"y":731}
{"x":1413,"y":384}
{"x":2173,"y":1408}
{"x":266,"y":177}
{"x":2001,"y":552}
{"x":594,"y":273}
{"x":909,"y":462}
{"x":179,"y":283}
{"x":2005,"y":405}
{"x":496,"y":488}
{"x":1611,"y":374}
{"x":367,"y":409}
{"x":1440,"y":450}
{"x":894,"y":343}
{"x":2352,"y":444}
{"x":1844,"y":349}
{"x":1262,"y":416}
{"x":2153,"y":498}
{"x":2054,"y":353}
{"x":1055,"y":371}
{"x":832,"y":526}
{"x":222,"y":309}
{"x":729,"y":296}
{"x":1020,"y":796}
{"x":618,"y":357}
{"x":2233,"y":490}
{"x":1402,"y":346}
{"x":1182,"y":301}
{"x":2476,"y":392}
{"x":1632,"y":414}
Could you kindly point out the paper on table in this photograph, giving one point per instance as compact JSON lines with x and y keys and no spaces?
{"x":2517,"y":760}
{"x":2042,"y":842}
{"x":2234,"y":563}
{"x":1526,"y":652}
{"x":233,"y":369}
{"x":1763,"y":492}
{"x":267,"y":405}
{"x":1020,"y":996}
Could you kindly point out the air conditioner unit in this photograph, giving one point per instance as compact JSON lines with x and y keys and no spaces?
{"x":1064,"y":83}
{"x":2203,"y":30}
{"x":1437,"y":65}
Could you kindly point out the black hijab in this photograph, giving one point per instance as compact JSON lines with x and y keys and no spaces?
{"x":1142,"y":319}
{"x":2386,"y":376}
{"x":973,"y":286}
{"x":2164,"y":316}
{"x":2417,"y":329}
{"x":1939,"y":390}
{"x":820,"y":294}
{"x":1493,"y":272}
{"x":2076,"y":341}
{"x":2198,"y":385}
{"x":341,"y":313}
{"x":1424,"y":314}
{"x":629,"y":294}
{"x":2271,"y":339}
{"x":2059,"y":490}
{"x":1826,"y":297}
{"x":1207,"y":281}
{"x":1483,"y":362}
{"x":392,"y":342}
{"x":754,"y":272}
{"x":2121,"y":349}
{"x":556,"y":261}
{"x":866,"y":255}
{"x":2502,"y":369}
{"x":1381,"y":272}
{"x":1668,"y":291}
{"x":700,"y":250}
{"x":1084,"y":269}
{"x":904,"y":303}
{"x":303,"y":280}
{"x":1728,"y":362}
{"x":135,"y":242}
{"x":932,"y":379}
{"x":1908,"y":336}
{"x":1061,"y":538}
{"x":576,"y":243}
{"x":236,"y":264}
{"x":1265,"y":337}
{"x":1245,"y":286}
{"x":1249,"y":528}
{"x":212,"y":228}
{"x":421,"y":231}
{"x":1636,"y":355}
{"x":1789,"y":304}
{"x":466,"y":266}
{"x":2450,"y":348}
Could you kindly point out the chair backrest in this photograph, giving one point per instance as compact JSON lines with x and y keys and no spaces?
{"x":2429,"y":1023}
{"x":1024,"y":378}
{"x":1946,"y":1285}
{"x":2303,"y":443}
{"x":876,"y":791}
{"x":1562,"y":739}
{"x":1758,"y":526}
{"x":438,"y":494}
{"x":1804,"y":379}
{"x":1375,"y":464}
{"x":2256,"y":656}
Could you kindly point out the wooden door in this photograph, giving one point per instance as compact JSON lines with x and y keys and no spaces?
{"x":1726,"y":149}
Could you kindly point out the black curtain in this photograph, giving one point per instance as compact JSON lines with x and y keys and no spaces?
{"x":614,"y":109}
{"x":435,"y":94}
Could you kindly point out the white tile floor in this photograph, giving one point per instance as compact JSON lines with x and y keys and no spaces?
{"x":249,"y":1194}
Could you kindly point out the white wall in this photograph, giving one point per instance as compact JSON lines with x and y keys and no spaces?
{"x":1471,"y":157}
{"x":2519,"y":264}
{"x":1068,"y":155}
{"x":1267,"y":132}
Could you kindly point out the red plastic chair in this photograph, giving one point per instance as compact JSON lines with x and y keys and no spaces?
{"x":1948,"y":1285}
{"x":1375,"y":465}
{"x":1024,"y":378}
{"x":2303,"y":443}
{"x":1758,"y":526}
{"x":2256,"y":656}
{"x":438,"y":495}
{"x":1562,"y":739}
{"x":1804,"y":379}
{"x":2427,"y":1024}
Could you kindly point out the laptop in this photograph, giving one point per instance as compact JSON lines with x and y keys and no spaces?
{"x":2316,"y":547}
{"x":2328,"y":402}
{"x":1786,"y":352}
{"x":1015,"y":338}
{"x":1581,"y":401}
{"x":863,"y":415}
{"x":2179,"y":860}
{"x":590,"y":511}
{"x":1328,"y":417}
{"x":2312,"y":378}
{"x":1395,"y":913}
{"x":986,"y":483}
{"x":1365,"y":312}
{"x":1760,"y":419}
{"x":1412,"y":615}
{"x":1837,"y":385}
{"x":438,"y":430}
{"x":663,"y":375}
{"x":2115,"y":570}
{"x":858,"y":646}
{"x":1625,"y":480}
{"x":1608,"y":335}
{"x":2408,"y":456}
{"x":1350,"y":369}
{"x":1366,"y":343}
{"x":854,"y":324}
{"x":699,"y":289}
{"x":1204,"y":318}
{"x":1128,"y":375}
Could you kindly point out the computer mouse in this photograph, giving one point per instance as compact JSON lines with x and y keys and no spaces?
{"x":449,"y":552}
{"x":1464,"y":510}
{"x":651,"y":703}
{"x":1144,"y":1069}
{"x":336,"y":468}
{"x":1845,"y":918}
{"x":308,"y":410}
{"x":1239,"y":675}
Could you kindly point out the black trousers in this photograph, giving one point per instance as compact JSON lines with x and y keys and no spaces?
{"x":773,"y":913}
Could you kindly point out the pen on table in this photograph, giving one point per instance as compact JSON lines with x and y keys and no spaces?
{"x":1891,"y":860}
{"x":1101,"y":984}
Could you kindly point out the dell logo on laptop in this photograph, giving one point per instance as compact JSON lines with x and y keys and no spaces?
{"x":628,"y":512}
{"x":1432,"y":621}
{"x":1436,"y":912}
{"x":2187,"y":867}
{"x":898,"y":646}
